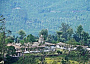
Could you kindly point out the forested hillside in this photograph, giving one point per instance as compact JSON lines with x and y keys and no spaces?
{"x":34,"y":15}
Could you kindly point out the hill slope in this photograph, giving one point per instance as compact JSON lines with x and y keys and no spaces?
{"x":34,"y":15}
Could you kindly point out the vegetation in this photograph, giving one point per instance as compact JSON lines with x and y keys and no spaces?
{"x":27,"y":60}
{"x":11,"y":50}
{"x":44,"y":14}
{"x":22,"y":34}
{"x":65,"y":34}
{"x":2,"y":37}
{"x":44,"y":32}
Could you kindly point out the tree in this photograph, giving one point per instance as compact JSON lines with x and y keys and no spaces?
{"x":44,"y":32}
{"x":64,"y":28}
{"x":84,"y":36}
{"x":83,"y":54}
{"x":76,"y":37}
{"x":52,"y":38}
{"x":59,"y":52}
{"x":2,"y":31}
{"x":30,"y":38}
{"x":9,"y":32}
{"x":10,"y":39}
{"x":72,"y":41}
{"x":79,"y":30}
{"x":11,"y":50}
{"x":17,"y":39}
{"x":70,"y":32}
{"x":1,"y":46}
{"x":59,"y":33}
{"x":22,"y":34}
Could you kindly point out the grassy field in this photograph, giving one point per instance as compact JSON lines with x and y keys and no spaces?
{"x":58,"y":60}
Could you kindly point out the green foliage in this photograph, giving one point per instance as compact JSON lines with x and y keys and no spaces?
{"x":27,"y":60}
{"x":8,"y":59}
{"x":73,"y":54}
{"x":79,"y":55}
{"x":2,"y":36}
{"x":52,"y":38}
{"x":34,"y":18}
{"x":79,"y":29}
{"x":10,"y":39}
{"x":22,"y":41}
{"x":78,"y":35}
{"x":63,"y":61}
{"x":11,"y":50}
{"x":81,"y":36}
{"x":72,"y":42}
{"x":69,"y":32}
{"x":54,"y":62}
{"x":59,"y":33}
{"x":66,"y":58}
{"x":85,"y":37}
{"x":22,"y":34}
{"x":59,"y":52}
{"x":9,"y":32}
{"x":44,"y":32}
{"x":64,"y":28}
{"x":30,"y":38}
{"x":1,"y":42}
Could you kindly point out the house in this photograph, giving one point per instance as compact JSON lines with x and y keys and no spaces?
{"x":61,"y":45}
{"x":65,"y":46}
{"x":17,"y":47}
{"x":50,"y":46}
{"x":88,"y":49}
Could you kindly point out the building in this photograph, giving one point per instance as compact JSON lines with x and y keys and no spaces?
{"x":41,"y":39}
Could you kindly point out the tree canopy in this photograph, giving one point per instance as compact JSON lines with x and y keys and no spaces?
{"x":44,"y":32}
{"x":22,"y":34}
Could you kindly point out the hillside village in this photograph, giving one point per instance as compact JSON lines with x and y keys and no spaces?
{"x":44,"y":32}
{"x":42,"y":46}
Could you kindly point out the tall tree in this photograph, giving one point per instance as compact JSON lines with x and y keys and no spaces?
{"x":1,"y":43}
{"x":2,"y":31}
{"x":64,"y":28}
{"x":59,"y":33}
{"x":44,"y":32}
{"x":22,"y":34}
{"x":79,"y":30}
{"x":85,"y":37}
{"x":70,"y":32}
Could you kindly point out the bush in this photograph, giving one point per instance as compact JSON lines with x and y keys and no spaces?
{"x":59,"y":52}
